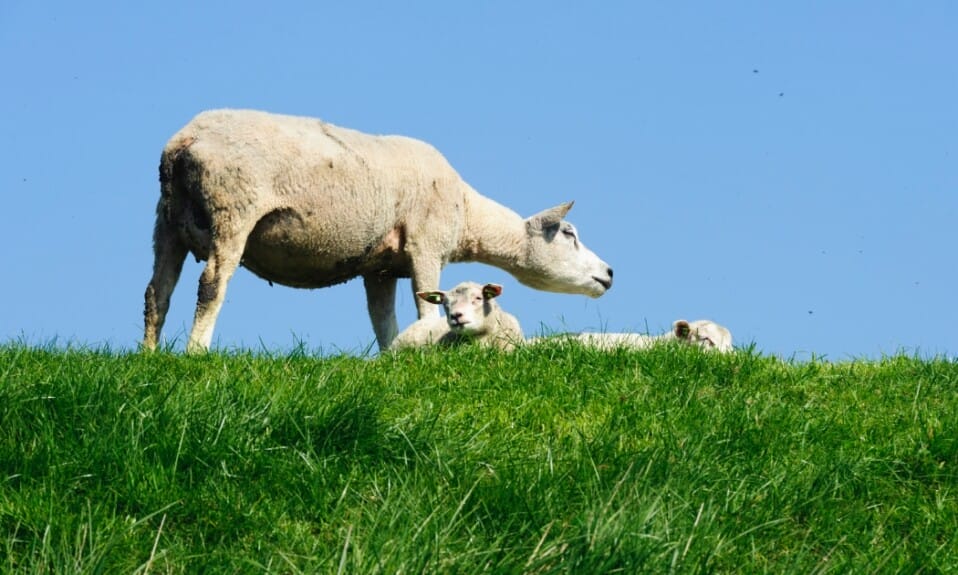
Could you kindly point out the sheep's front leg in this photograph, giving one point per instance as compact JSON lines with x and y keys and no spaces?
{"x":219,"y":269}
{"x":425,"y":277}
{"x":381,"y":303}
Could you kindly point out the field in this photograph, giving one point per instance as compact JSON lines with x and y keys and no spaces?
{"x":549,"y":460}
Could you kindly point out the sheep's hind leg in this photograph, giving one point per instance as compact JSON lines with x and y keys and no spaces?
{"x":169,"y":254}
{"x":381,"y":303}
{"x":222,"y":263}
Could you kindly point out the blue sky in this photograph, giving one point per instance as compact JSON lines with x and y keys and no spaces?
{"x":790,"y":171}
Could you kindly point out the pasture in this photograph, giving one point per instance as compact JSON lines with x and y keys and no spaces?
{"x":552,"y":459}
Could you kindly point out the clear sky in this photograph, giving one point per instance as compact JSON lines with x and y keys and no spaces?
{"x":789,"y":170}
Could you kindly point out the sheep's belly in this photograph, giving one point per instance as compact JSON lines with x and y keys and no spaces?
{"x":287,"y":253}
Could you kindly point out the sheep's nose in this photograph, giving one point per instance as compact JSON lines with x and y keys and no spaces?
{"x":456,"y":315}
{"x":610,"y":273}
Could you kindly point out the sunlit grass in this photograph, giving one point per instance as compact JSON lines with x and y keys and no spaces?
{"x":548,"y":460}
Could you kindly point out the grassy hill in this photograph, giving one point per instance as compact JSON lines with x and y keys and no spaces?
{"x":548,"y":460}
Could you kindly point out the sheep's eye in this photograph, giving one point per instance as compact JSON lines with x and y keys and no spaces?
{"x":570,"y":233}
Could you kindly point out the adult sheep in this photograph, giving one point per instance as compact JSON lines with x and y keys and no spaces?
{"x":306,"y":204}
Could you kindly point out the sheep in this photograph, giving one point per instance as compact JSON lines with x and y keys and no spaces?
{"x":704,"y":333}
{"x":472,"y":315}
{"x":303,"y":203}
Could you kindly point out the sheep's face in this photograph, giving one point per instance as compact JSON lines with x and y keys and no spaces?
{"x":557,"y":260}
{"x":468,"y":306}
{"x":703,"y":333}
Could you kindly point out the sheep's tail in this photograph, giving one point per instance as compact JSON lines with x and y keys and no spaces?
{"x":168,"y":160}
{"x":174,"y":179}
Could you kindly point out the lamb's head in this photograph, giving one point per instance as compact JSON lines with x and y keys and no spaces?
{"x":557,"y":260}
{"x":468,"y":306}
{"x":703,"y":333}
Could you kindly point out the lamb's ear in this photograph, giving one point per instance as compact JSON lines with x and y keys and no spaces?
{"x":490,"y":291}
{"x":436,"y":297}
{"x":682,"y":329}
{"x":550,"y":217}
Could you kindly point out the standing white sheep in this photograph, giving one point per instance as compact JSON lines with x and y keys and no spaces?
{"x":704,"y":333}
{"x":471,"y":315}
{"x":307,"y":204}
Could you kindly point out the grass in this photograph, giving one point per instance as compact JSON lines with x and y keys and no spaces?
{"x":550,"y":460}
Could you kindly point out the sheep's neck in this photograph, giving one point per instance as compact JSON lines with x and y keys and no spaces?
{"x":493,"y":234}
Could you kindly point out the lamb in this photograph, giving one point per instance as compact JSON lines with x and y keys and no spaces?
{"x":704,"y":333}
{"x":307,"y":204}
{"x":471,"y":315}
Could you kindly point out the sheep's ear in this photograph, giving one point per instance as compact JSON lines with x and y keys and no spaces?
{"x":436,"y":297}
{"x":490,"y":291}
{"x":550,"y":217}
{"x":682,"y":329}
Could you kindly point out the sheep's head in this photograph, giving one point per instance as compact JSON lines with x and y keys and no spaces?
{"x":703,"y":333}
{"x":468,"y":306}
{"x":556,"y":260}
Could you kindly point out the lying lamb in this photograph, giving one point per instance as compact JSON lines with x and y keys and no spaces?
{"x":471,"y":315}
{"x":704,"y":333}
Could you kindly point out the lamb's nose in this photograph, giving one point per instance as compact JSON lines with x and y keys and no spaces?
{"x":610,"y":273}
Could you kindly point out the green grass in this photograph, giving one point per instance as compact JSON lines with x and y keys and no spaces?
{"x":548,"y":460}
